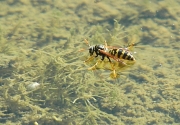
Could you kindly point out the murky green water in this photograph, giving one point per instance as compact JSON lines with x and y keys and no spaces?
{"x":43,"y":77}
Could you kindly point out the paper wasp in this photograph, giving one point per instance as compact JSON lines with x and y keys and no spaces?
{"x":117,"y":54}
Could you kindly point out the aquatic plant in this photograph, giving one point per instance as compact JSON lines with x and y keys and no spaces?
{"x":51,"y":84}
{"x":41,"y":48}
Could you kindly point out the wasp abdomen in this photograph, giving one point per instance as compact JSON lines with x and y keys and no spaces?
{"x":122,"y":54}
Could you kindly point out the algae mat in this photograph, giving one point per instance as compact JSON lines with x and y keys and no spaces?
{"x":43,"y":79}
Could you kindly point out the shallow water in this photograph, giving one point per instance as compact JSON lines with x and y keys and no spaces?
{"x":40,"y":42}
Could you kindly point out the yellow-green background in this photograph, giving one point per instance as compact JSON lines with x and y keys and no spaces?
{"x":40,"y":42}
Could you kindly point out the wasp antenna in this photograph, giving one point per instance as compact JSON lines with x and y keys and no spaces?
{"x":85,"y":40}
{"x":80,"y":50}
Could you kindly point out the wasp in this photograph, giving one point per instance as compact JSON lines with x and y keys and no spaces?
{"x":117,"y":54}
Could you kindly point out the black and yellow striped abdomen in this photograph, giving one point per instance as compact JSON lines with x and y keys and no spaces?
{"x":122,"y":53}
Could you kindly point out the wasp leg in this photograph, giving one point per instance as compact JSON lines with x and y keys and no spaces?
{"x":109,"y":59}
{"x":94,"y":67}
{"x":90,"y":58}
{"x":102,"y":57}
{"x":113,"y":75}
{"x":119,"y":60}
{"x":130,"y":46}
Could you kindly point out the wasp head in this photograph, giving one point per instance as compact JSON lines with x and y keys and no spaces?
{"x":91,"y":50}
{"x":96,"y":49}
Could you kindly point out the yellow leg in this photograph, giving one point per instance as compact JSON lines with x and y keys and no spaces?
{"x":89,"y":59}
{"x":121,"y":61}
{"x":130,"y":46}
{"x":94,"y":67}
{"x":113,"y":75}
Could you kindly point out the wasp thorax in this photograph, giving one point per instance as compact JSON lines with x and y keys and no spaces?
{"x":101,"y":47}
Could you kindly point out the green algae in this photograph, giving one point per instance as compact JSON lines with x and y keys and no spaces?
{"x":65,"y":86}
{"x":42,"y":46}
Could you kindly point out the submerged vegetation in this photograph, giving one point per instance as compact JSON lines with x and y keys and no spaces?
{"x":51,"y":85}
{"x":43,"y":77}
